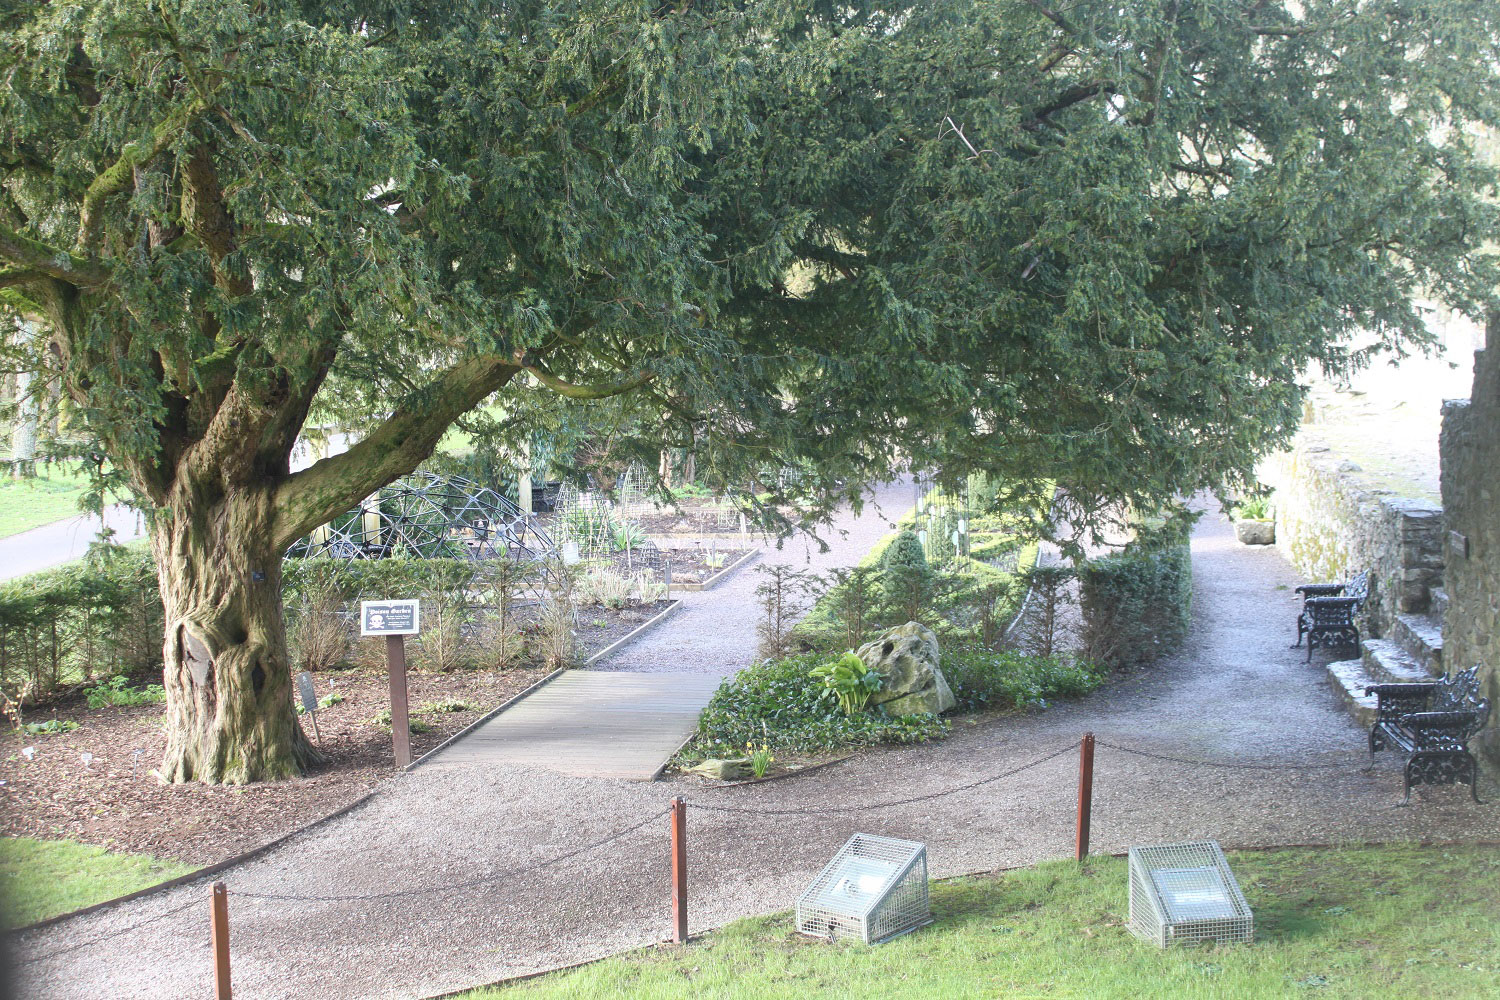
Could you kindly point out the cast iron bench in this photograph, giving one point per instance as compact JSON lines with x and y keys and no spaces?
{"x":1328,"y":611}
{"x":1431,"y":722}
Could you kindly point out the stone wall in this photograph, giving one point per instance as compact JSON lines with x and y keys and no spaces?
{"x":1330,"y":526}
{"x":1471,"y":497}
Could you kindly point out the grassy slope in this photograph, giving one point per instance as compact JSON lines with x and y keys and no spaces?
{"x":1357,"y":923}
{"x":42,"y":878}
{"x":29,"y":503}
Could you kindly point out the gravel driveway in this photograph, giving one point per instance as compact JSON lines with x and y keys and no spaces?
{"x":1238,"y":695}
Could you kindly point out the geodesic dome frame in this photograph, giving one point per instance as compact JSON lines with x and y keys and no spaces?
{"x":427,"y":516}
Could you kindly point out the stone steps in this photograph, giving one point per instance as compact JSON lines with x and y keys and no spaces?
{"x":1387,"y":662}
{"x":1422,"y":637}
{"x":1348,"y":679}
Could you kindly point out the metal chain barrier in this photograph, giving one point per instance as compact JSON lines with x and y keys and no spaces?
{"x":887,"y":803}
{"x":90,"y":942}
{"x":1229,"y":765}
{"x":449,"y":887}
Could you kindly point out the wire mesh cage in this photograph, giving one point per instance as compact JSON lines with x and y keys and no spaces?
{"x":874,"y":889}
{"x":1185,"y":894}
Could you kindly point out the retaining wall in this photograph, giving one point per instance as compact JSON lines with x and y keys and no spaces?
{"x":1331,"y":526}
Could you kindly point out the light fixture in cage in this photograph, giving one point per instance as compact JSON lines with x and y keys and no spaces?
{"x":874,"y":889}
{"x":1184,"y":894}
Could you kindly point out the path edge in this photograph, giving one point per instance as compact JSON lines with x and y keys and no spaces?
{"x":486,"y":717}
{"x":720,"y":576}
{"x":633,"y":634}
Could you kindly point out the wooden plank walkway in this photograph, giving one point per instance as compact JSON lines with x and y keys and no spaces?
{"x":613,"y":724}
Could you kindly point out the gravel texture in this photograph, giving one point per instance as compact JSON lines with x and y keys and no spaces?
{"x":1238,"y":695}
{"x":714,"y":630}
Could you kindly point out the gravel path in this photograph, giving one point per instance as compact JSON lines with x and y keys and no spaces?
{"x":1238,"y":695}
{"x":714,"y":630}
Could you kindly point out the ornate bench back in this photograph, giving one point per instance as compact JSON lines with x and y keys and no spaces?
{"x":1460,"y":693}
{"x":1358,"y":586}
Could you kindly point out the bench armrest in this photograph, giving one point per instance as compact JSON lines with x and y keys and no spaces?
{"x":1320,"y":589}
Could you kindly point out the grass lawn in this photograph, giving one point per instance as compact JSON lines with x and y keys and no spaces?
{"x":1356,"y":923}
{"x":42,"y":878}
{"x":51,"y":495}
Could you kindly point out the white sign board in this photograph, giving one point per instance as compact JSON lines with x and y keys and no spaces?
{"x":389,"y":618}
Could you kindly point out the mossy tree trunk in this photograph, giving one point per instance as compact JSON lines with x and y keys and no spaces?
{"x":230,"y":713}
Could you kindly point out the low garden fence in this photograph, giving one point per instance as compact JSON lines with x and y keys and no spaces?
{"x":677,"y":896}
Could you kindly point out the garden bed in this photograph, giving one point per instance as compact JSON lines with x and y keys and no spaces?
{"x":115,"y":800}
{"x":700,"y":567}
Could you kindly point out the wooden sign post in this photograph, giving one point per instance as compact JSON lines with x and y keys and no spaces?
{"x":395,"y":620}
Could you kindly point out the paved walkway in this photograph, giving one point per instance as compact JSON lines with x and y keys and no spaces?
{"x":714,"y":630}
{"x":63,"y":541}
{"x":610,"y":725}
{"x":503,"y":876}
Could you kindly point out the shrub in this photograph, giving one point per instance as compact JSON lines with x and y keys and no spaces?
{"x":783,"y":597}
{"x":778,"y":704}
{"x":982,"y":678}
{"x":1137,"y":604}
{"x":1253,"y":509}
{"x":603,"y":586}
{"x":851,"y":682}
{"x":906,"y":580}
{"x":99,"y":617}
{"x":117,"y":691}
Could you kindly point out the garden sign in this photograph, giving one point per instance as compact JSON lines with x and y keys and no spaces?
{"x":395,"y":620}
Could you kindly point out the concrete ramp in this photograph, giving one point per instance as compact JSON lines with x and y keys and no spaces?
{"x":612,"y":724}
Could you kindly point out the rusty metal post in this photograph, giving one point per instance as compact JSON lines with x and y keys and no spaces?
{"x":678,"y":821}
{"x":1085,"y":793}
{"x":395,"y":654}
{"x":219,"y":923}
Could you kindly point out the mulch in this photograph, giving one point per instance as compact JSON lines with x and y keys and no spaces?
{"x":115,"y":800}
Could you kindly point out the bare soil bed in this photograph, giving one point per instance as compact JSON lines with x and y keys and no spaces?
{"x":115,"y":799}
{"x":696,"y":563}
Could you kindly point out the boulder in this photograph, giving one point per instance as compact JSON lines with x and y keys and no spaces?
{"x":906,"y":659}
{"x":732,"y":769}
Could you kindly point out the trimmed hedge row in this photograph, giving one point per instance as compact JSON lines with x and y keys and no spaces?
{"x":98,"y":618}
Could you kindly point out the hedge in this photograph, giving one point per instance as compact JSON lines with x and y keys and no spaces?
{"x":1137,"y":604}
{"x":97,"y":618}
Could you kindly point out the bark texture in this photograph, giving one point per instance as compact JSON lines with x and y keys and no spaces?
{"x":230,"y":714}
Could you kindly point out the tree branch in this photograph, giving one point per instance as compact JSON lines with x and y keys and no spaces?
{"x":18,"y":277}
{"x":121,"y":173}
{"x":334,"y":484}
{"x":573,"y":391}
{"x":34,"y":255}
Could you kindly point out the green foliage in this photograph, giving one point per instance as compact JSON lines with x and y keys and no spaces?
{"x":1253,"y":509}
{"x":779,"y":704}
{"x":1351,"y":923}
{"x":447,"y":705}
{"x":117,"y":691}
{"x":906,"y":579}
{"x":985,"y":679}
{"x":94,"y":618}
{"x":1137,"y":604}
{"x":628,"y":535}
{"x":850,"y":681}
{"x":795,"y":238}
{"x":52,"y":727}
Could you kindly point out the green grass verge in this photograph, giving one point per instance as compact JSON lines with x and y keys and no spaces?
{"x":42,"y":878}
{"x":52,"y":495}
{"x":1356,"y":923}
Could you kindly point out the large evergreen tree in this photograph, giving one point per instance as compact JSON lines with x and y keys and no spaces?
{"x":1095,"y":243}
